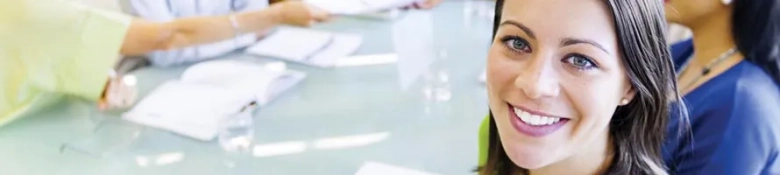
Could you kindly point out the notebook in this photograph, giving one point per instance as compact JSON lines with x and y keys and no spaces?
{"x":306,"y":46}
{"x":208,"y":92}
{"x":295,"y":44}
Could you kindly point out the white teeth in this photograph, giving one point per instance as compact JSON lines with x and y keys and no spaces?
{"x":526,"y":116}
{"x":536,"y":120}
{"x":541,"y":120}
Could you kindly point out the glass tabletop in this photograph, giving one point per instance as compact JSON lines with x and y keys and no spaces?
{"x":420,"y":113}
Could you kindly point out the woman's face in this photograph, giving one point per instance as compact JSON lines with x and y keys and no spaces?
{"x":555,"y":78}
{"x":686,"y":12}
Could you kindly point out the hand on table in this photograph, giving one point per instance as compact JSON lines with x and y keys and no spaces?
{"x":121,"y":92}
{"x":299,"y":13}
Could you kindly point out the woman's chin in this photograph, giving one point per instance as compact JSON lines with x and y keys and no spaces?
{"x":530,"y":158}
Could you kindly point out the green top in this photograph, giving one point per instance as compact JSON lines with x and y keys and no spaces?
{"x":484,"y":140}
{"x":54,"y":47}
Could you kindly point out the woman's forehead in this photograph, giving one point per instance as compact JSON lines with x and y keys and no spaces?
{"x":587,"y":19}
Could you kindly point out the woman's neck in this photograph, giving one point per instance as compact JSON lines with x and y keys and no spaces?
{"x":711,"y":37}
{"x":594,"y":159}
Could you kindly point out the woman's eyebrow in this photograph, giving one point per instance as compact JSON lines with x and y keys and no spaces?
{"x":573,"y":41}
{"x":521,"y":26}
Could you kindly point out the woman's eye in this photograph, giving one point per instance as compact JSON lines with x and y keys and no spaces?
{"x":580,"y":62}
{"x":517,"y":44}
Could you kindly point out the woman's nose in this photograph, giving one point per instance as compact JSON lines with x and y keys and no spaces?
{"x":538,"y":79}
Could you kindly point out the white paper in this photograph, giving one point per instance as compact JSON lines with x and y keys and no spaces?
{"x":375,"y":168}
{"x":388,"y":4}
{"x":354,"y":7}
{"x":340,"y":7}
{"x":282,"y":84}
{"x":244,"y":79}
{"x":189,"y":109}
{"x":263,"y":82}
{"x":342,"y":46}
{"x":292,"y":43}
{"x":208,"y":92}
{"x":329,"y":51}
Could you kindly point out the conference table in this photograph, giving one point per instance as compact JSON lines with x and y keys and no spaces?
{"x":419,"y":113}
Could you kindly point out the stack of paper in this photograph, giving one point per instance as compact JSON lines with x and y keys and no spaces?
{"x":354,"y":7}
{"x":207,"y":93}
{"x":306,"y":46}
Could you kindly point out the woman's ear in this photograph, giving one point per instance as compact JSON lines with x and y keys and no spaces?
{"x":628,"y":95}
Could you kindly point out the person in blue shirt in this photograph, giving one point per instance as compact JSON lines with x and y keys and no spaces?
{"x":728,"y":74}
{"x":169,"y":10}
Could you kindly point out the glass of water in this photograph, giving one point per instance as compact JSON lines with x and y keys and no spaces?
{"x":236,"y":132}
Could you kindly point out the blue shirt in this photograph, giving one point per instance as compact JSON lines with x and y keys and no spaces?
{"x":168,"y":10}
{"x":734,"y":121}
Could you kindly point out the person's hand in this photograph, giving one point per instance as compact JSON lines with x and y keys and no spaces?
{"x":299,"y":13}
{"x":261,"y":34}
{"x":425,"y":4}
{"x":121,"y":92}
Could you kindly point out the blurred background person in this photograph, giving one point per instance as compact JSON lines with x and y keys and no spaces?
{"x":587,"y":94}
{"x":55,"y":46}
{"x":728,"y":73}
{"x":169,"y":10}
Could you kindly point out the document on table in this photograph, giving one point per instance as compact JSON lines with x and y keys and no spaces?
{"x":247,"y":79}
{"x":342,"y":46}
{"x":194,"y":105}
{"x":307,"y":46}
{"x":354,"y":7}
{"x":192,"y":110}
{"x":295,"y":44}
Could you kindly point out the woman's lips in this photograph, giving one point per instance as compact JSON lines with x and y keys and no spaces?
{"x":532,"y":124}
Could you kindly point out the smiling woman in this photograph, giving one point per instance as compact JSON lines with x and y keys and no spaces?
{"x":587,"y":94}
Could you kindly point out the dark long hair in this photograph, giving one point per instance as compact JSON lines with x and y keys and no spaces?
{"x":638,"y":128}
{"x":755,"y":27}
